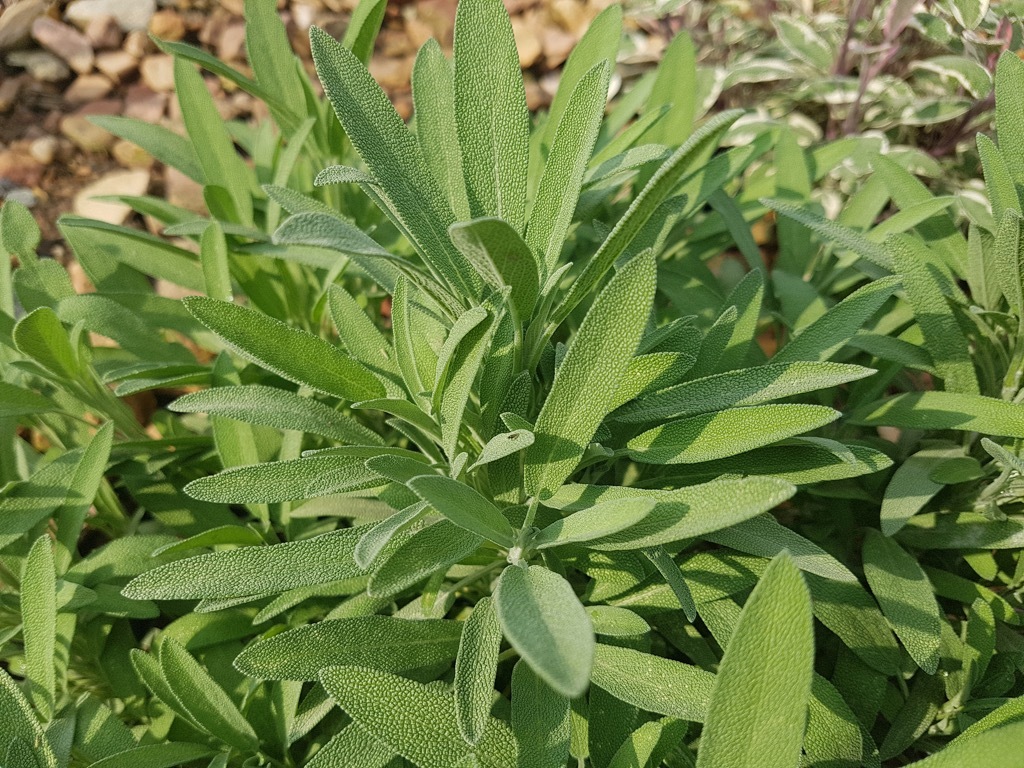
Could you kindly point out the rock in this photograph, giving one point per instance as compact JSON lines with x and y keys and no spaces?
{"x":88,"y":88}
{"x":44,"y":149}
{"x":42,"y":65}
{"x":167,"y":25}
{"x":144,"y":104}
{"x":104,"y":33}
{"x":392,"y":74}
{"x":231,"y":44}
{"x":22,"y":195}
{"x":10,"y":87}
{"x":116,"y":65}
{"x":158,"y":72}
{"x":64,"y":41}
{"x":114,"y":183}
{"x":138,"y":44}
{"x":129,"y":14}
{"x":19,"y":168}
{"x":570,"y":15}
{"x":129,"y":155}
{"x":182,"y":191}
{"x":16,"y":22}
{"x":525,"y":29}
{"x":557,"y":45}
{"x":85,"y":135}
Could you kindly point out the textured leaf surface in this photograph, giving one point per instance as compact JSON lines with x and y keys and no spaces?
{"x":597,"y":522}
{"x":544,"y":621}
{"x":252,"y":570}
{"x":381,"y":642}
{"x":289,"y":352}
{"x":540,"y":720}
{"x":475,"y":668}
{"x":726,"y":433}
{"x":257,"y":404}
{"x":998,"y":748}
{"x":945,"y":410}
{"x":758,"y":707}
{"x":18,"y":722}
{"x":586,"y":381}
{"x":164,"y":755}
{"x":653,"y":683}
{"x":303,"y":478}
{"x":490,"y":112}
{"x":465,"y":507}
{"x":416,"y":721}
{"x":39,"y":619}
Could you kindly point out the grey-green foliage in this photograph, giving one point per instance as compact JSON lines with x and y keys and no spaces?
{"x":487,"y":458}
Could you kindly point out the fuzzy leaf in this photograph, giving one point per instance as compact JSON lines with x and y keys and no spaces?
{"x":475,"y":668}
{"x":465,"y":507}
{"x":597,"y":522}
{"x":540,"y":720}
{"x":944,"y":410}
{"x":39,"y":619}
{"x":543,"y":620}
{"x":653,"y":683}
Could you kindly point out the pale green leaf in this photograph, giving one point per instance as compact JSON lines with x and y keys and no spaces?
{"x":944,"y":410}
{"x":540,"y":720}
{"x":465,"y":507}
{"x":597,"y":522}
{"x":475,"y":668}
{"x":39,"y":619}
{"x":653,"y":683}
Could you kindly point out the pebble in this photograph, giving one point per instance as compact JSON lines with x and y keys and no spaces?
{"x":144,"y":104}
{"x":19,"y":168}
{"x":42,"y":65}
{"x":116,"y":65}
{"x":231,"y":44}
{"x":158,"y":72}
{"x":85,"y":135}
{"x":525,"y":30}
{"x":167,"y":25}
{"x":129,"y":14}
{"x":182,"y":191}
{"x":64,"y":41}
{"x":134,"y":182}
{"x":138,"y":44}
{"x":87,"y":88}
{"x":44,"y":149}
{"x":104,"y":33}
{"x":16,"y":22}
{"x":130,"y":155}
{"x":10,"y":87}
{"x":22,"y":195}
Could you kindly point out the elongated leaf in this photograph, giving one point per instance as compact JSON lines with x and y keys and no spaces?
{"x":725,"y":433}
{"x":390,"y":152}
{"x":465,"y":507}
{"x":502,"y":258}
{"x":747,"y":386}
{"x":465,"y":368}
{"x":906,"y":598}
{"x":15,"y":401}
{"x":19,"y":723}
{"x":911,"y":487}
{"x":39,"y":619}
{"x":966,"y":530}
{"x":833,"y":232}
{"x":827,"y":335}
{"x":352,"y":747}
{"x":163,"y":755}
{"x":653,"y":683}
{"x":944,"y":410}
{"x":650,"y":743}
{"x":943,"y":337}
{"x":206,"y":701}
{"x":435,"y":548}
{"x":490,"y":112}
{"x":256,"y":404}
{"x":252,"y":570}
{"x":289,"y":352}
{"x":567,"y":162}
{"x":274,"y":65}
{"x":433,"y":94}
{"x":590,"y":374}
{"x":657,"y":191}
{"x":597,"y":522}
{"x":680,"y":514}
{"x":285,"y":480}
{"x":381,"y":642}
{"x":758,"y":707}
{"x":997,"y":748}
{"x":416,"y":721}
{"x":162,"y":143}
{"x":1009,"y":113}
{"x":675,"y":87}
{"x":540,"y":720}
{"x":502,"y":445}
{"x":475,"y":669}
{"x":543,"y":620}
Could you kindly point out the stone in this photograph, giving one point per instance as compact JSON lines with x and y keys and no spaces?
{"x":19,"y":168}
{"x":158,"y":72}
{"x":144,"y":104}
{"x":42,"y":65}
{"x":167,"y":25}
{"x":10,"y":88}
{"x":44,"y":149}
{"x":525,"y":29}
{"x":392,"y":74}
{"x":85,"y":135}
{"x":182,"y":191}
{"x":104,"y":33}
{"x":88,"y":88}
{"x":134,"y":183}
{"x":129,"y":14}
{"x":22,"y":195}
{"x":231,"y":43}
{"x":64,"y":41}
{"x":570,"y":15}
{"x":138,"y":44}
{"x":117,"y":65}
{"x":16,"y":22}
{"x":129,"y":155}
{"x":557,"y":45}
